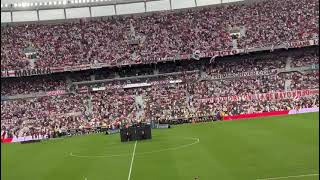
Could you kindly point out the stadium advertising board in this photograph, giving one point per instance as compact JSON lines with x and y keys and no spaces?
{"x":255,"y":115}
{"x":20,"y":139}
{"x":304,"y":110}
{"x":272,"y":113}
{"x":113,"y":131}
{"x":162,"y":126}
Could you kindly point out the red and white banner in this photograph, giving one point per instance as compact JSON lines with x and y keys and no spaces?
{"x":264,"y":96}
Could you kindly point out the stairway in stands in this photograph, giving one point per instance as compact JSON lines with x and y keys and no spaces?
{"x":139,"y":101}
{"x":288,"y":63}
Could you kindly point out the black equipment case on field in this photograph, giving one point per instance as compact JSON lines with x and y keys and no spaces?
{"x":135,"y":133}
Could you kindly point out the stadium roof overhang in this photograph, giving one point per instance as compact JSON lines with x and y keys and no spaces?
{"x":25,"y":5}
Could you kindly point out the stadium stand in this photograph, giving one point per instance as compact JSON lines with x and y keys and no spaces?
{"x":188,"y":91}
{"x":160,"y":35}
{"x":159,"y":91}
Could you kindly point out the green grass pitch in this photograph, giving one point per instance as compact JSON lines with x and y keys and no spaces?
{"x":271,"y":147}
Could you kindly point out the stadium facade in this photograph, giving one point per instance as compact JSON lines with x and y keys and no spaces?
{"x":38,"y":10}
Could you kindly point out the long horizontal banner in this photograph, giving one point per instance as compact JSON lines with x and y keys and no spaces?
{"x":25,"y":72}
{"x":41,"y":71}
{"x":263,"y":96}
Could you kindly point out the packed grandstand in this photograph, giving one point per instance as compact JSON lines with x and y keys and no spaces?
{"x":189,"y":65}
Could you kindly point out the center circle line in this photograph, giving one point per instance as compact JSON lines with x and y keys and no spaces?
{"x":197,"y":140}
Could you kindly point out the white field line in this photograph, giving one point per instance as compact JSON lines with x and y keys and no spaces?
{"x":134,"y":151}
{"x":287,"y":177}
{"x":197,"y":140}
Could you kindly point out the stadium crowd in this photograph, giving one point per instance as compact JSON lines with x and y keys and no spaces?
{"x":166,"y":98}
{"x":170,"y":91}
{"x":160,"y":35}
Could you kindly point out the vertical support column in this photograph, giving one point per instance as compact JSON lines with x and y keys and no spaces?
{"x":38,"y":15}
{"x":145,"y":6}
{"x":65,"y":13}
{"x":11,"y":16}
{"x":92,"y":77}
{"x":195,"y":2}
{"x":90,"y":11}
{"x":115,"y":9}
{"x":170,"y":4}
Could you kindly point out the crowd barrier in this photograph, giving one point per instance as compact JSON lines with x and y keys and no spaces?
{"x":21,"y":139}
{"x":225,"y":118}
{"x":304,"y":110}
{"x":274,"y":113}
{"x":255,"y":115}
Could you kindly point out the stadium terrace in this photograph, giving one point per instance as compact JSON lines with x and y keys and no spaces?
{"x":173,"y":85}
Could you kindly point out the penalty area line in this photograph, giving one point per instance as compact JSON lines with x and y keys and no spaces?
{"x":134,"y":151}
{"x":287,"y":177}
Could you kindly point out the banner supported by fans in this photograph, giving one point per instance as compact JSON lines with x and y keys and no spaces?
{"x":264,"y":96}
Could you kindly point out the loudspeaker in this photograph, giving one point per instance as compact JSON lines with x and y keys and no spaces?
{"x":134,"y":133}
{"x":124,"y":135}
